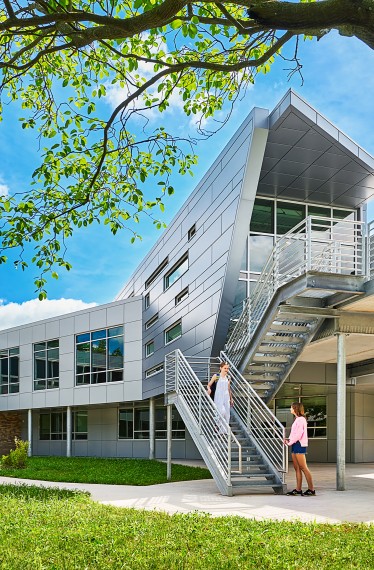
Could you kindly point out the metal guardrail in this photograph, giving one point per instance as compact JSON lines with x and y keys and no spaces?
{"x":370,"y":260}
{"x":316,"y":244}
{"x":210,"y":425}
{"x":263,"y":426}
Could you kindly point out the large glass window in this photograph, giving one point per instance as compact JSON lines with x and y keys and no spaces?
{"x":52,"y":425}
{"x":176,"y":271}
{"x":262,"y":219}
{"x":134,"y":424}
{"x":46,"y":365}
{"x":260,"y":248}
{"x":315,"y":413}
{"x":99,"y":356}
{"x":288,"y":216}
{"x":9,"y":370}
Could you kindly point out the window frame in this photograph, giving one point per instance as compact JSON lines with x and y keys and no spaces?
{"x":191,"y":232}
{"x":173,"y":270}
{"x":93,"y":337}
{"x":173,"y":326}
{"x":150,"y":342}
{"x":152,"y":278}
{"x":156,"y":369}
{"x":47,"y":379}
{"x":7,"y":355}
{"x":153,"y":320}
{"x":181,"y":296}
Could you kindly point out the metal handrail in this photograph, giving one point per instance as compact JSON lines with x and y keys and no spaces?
{"x":315,"y":244}
{"x":370,"y":252}
{"x":266,"y":430}
{"x":211,"y":426}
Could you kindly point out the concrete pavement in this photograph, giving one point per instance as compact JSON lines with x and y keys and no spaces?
{"x":356,"y":504}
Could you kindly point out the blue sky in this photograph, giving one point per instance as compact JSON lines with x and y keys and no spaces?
{"x":338,"y":82}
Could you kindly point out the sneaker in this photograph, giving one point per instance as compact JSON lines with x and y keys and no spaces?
{"x":309,"y":493}
{"x":294,"y":493}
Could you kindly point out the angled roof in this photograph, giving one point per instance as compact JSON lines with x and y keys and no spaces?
{"x":307,"y":158}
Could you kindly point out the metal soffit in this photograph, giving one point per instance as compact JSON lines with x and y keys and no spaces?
{"x":309,"y":159}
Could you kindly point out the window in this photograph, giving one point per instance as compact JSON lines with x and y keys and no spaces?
{"x":99,"y":356}
{"x":9,"y":370}
{"x":173,"y":332}
{"x":156,"y":272}
{"x":147,"y":301}
{"x":176,"y":272}
{"x":154,"y":370}
{"x":149,"y":348}
{"x":262,"y":219}
{"x":181,"y":296}
{"x":52,"y":425}
{"x":260,"y":247}
{"x":134,"y":424}
{"x":191,"y":232}
{"x":151,"y":321}
{"x":315,"y":413}
{"x":288,"y":216}
{"x":46,"y":365}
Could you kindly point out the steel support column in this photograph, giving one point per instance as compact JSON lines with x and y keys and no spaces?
{"x":340,"y":412}
{"x":168,"y":431}
{"x":29,"y":432}
{"x":68,"y":431}
{"x":152,"y":427}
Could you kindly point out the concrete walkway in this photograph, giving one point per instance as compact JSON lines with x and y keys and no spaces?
{"x":356,"y":504}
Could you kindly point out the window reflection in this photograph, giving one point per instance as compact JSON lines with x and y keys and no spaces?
{"x":260,"y":248}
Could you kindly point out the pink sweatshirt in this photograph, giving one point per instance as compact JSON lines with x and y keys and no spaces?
{"x":299,"y":432}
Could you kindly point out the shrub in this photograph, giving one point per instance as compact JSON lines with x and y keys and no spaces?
{"x":17,"y":457}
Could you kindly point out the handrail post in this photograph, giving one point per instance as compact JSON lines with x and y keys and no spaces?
{"x":176,"y":370}
{"x":229,"y":456}
{"x":308,"y":243}
{"x":200,"y":430}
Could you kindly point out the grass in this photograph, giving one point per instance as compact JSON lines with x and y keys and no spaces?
{"x":63,"y":530}
{"x":106,"y":471}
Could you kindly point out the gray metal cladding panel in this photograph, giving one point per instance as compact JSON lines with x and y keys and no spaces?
{"x":124,"y":448}
{"x":52,"y":329}
{"x":141,"y":448}
{"x":79,"y":448}
{"x":109,"y":448}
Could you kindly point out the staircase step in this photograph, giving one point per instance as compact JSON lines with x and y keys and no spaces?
{"x":253,"y":474}
{"x":280,"y":327}
{"x":269,"y":358}
{"x":270,"y":348}
{"x":264,"y":367}
{"x":264,"y":377}
{"x":255,"y":484}
{"x":283,"y":339}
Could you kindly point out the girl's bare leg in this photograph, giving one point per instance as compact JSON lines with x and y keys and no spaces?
{"x":301,"y":460}
{"x":299,"y":476}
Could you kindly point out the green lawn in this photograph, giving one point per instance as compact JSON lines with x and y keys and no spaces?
{"x":98,"y":470}
{"x":64,"y":530}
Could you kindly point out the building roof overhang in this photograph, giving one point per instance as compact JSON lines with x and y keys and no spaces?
{"x":308,"y":159}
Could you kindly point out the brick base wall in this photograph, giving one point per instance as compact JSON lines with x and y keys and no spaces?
{"x":10,"y":427}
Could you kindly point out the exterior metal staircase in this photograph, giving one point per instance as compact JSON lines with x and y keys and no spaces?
{"x":318,"y":265}
{"x":249,"y":452}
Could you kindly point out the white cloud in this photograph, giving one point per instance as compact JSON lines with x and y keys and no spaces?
{"x":4,"y":188}
{"x":14,"y":314}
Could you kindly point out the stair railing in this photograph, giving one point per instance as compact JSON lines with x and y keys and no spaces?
{"x":263,"y":426}
{"x":211,"y":427}
{"x":370,"y":248}
{"x":315,"y":244}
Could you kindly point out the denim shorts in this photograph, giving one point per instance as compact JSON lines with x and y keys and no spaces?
{"x":297,"y":448}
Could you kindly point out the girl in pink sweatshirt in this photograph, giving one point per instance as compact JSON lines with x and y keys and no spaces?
{"x":298,"y":441}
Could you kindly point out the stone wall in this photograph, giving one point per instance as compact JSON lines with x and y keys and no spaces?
{"x":10,"y":427}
